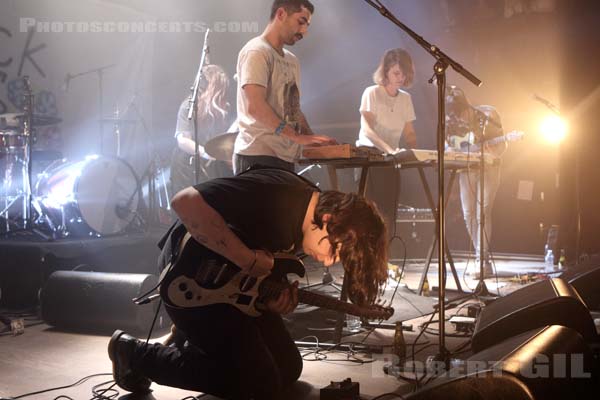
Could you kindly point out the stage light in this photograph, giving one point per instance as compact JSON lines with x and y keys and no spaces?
{"x":554,"y":129}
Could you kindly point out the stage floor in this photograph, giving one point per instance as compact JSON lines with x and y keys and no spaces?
{"x":45,"y":357}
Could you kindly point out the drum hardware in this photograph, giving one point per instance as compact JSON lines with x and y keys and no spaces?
{"x":95,"y":197}
{"x":117,"y":122}
{"x":221,"y":146}
{"x":12,"y":141}
{"x":153,"y":172}
{"x":17,"y":142}
{"x":16,"y":120}
{"x":100,"y":73}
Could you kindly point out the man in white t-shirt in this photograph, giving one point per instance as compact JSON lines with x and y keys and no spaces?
{"x":271,"y":123}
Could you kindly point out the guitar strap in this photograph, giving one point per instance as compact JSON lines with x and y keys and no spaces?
{"x":169,"y":245}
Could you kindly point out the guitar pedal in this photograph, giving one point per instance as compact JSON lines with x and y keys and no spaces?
{"x":345,"y":390}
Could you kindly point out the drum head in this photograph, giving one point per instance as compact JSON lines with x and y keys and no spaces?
{"x":107,"y":195}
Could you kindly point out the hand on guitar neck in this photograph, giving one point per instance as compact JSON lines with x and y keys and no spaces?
{"x":496,"y":146}
{"x":286,"y":302}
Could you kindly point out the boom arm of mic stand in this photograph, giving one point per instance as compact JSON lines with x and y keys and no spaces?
{"x":440,"y":67}
{"x":430,"y":48}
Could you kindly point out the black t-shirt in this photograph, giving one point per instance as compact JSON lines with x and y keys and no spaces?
{"x":265,"y":207}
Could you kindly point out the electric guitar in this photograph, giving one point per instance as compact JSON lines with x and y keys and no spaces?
{"x":200,"y":277}
{"x":466,"y":142}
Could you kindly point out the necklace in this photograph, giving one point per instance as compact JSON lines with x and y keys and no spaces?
{"x":390,"y":101}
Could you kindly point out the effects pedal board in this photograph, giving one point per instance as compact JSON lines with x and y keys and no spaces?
{"x":344,"y":390}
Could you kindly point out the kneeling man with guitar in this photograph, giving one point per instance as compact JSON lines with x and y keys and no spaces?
{"x":223,"y":281}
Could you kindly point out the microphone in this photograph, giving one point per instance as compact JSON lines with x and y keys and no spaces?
{"x":542,"y":100}
{"x":206,"y":49}
{"x":554,"y":108}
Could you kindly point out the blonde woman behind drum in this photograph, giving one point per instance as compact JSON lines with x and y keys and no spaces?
{"x":213,"y":117}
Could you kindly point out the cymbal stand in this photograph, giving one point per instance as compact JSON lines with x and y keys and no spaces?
{"x":27,"y":132}
{"x":100,"y":73}
{"x":27,"y":219}
{"x":152,"y":170}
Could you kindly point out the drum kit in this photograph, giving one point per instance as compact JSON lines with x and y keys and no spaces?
{"x":96,"y":196}
{"x":93,"y":197}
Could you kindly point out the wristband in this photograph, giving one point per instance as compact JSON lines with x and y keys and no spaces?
{"x":280,"y":128}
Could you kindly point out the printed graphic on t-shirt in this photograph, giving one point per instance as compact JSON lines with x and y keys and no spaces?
{"x":291,"y":104}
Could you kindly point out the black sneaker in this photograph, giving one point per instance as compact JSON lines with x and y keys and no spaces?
{"x":120,"y":351}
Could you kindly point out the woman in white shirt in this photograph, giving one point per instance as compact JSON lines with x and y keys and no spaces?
{"x":387,"y":114}
{"x":386,"y":110}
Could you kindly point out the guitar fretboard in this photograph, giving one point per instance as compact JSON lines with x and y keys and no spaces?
{"x":315,"y":299}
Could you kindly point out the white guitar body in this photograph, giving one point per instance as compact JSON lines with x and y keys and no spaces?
{"x":241,"y":292}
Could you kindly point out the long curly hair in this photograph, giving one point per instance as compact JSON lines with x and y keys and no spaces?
{"x":357,"y":229}
{"x":212,"y":103}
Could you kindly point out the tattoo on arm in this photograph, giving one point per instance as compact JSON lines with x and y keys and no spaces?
{"x":200,"y":238}
{"x":203,"y":238}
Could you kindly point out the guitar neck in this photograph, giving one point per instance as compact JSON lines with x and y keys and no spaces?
{"x":315,"y":299}
{"x":492,"y":142}
{"x":496,"y":140}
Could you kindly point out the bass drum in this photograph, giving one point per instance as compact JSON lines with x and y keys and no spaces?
{"x":96,"y":196}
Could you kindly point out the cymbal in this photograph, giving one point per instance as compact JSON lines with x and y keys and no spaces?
{"x":43,"y":120}
{"x":221,"y":146}
{"x":15,"y":120}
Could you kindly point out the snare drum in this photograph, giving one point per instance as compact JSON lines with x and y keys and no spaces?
{"x":12,"y":141}
{"x":95,"y":196}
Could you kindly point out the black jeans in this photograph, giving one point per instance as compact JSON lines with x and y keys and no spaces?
{"x":242,"y":163}
{"x":383,"y":187}
{"x":236,"y":356}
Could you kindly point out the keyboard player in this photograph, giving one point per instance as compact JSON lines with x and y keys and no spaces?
{"x":387,"y":115}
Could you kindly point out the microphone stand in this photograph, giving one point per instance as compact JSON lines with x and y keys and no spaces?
{"x":193,"y":99}
{"x":442,"y":63}
{"x":481,"y":290}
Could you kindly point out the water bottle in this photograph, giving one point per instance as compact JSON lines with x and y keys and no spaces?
{"x":549,"y":259}
{"x":353,"y":323}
